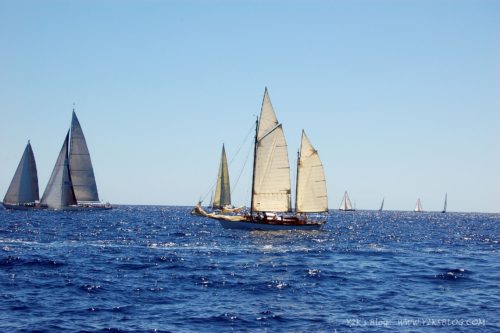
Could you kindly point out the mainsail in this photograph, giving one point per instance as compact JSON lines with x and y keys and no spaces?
{"x":382,"y":205}
{"x":24,"y":185}
{"x":311,"y":184}
{"x":418,"y":207}
{"x":80,"y":165}
{"x":59,"y":191}
{"x":271,"y":187}
{"x":346,"y":203}
{"x":222,"y":190}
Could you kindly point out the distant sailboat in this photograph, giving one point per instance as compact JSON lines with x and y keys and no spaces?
{"x":23,"y":190}
{"x":382,"y":205}
{"x":271,"y":189}
{"x":418,"y":207}
{"x":445,"y":203}
{"x":59,"y":193}
{"x":222,"y":197}
{"x":72,"y":184}
{"x":346,"y":205}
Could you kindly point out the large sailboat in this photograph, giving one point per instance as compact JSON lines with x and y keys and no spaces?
{"x":270,"y":207}
{"x":22,"y":193}
{"x":418,"y":206}
{"x":445,"y":203}
{"x":72,"y":184}
{"x":346,"y":205}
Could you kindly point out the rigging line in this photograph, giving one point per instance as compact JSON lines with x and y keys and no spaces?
{"x":242,"y":169}
{"x":242,"y":144}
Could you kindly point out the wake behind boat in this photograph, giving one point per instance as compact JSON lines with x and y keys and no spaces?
{"x":270,"y":207}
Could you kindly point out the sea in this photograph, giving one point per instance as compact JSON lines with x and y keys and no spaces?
{"x":160,"y":269}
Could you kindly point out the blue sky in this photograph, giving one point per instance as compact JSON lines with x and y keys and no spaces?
{"x":401,"y":98}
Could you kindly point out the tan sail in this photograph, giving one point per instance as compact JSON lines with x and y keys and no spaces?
{"x":222,"y":196}
{"x":271,"y":183}
{"x":311,"y":184}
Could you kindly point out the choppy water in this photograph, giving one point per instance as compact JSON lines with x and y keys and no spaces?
{"x":159,"y":269}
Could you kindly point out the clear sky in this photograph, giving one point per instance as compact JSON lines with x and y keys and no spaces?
{"x":401,"y":98}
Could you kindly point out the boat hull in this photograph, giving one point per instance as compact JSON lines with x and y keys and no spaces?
{"x":248,"y":225}
{"x":19,"y":207}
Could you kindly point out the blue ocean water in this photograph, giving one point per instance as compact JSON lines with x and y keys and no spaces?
{"x":159,"y":269}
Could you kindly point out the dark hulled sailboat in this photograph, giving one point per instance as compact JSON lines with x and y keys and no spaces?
{"x":23,"y":191}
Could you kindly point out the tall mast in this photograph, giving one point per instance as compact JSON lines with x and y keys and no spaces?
{"x":297,"y":178}
{"x":254,"y":163}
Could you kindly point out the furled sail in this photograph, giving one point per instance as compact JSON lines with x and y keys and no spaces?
{"x":80,"y":165}
{"x":311,"y":184}
{"x":24,"y":186}
{"x":271,"y":183}
{"x":418,"y":207}
{"x":59,"y":191}
{"x":222,"y":189}
{"x":346,"y":203}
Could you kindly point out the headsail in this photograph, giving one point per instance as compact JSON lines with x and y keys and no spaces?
{"x":418,"y":207}
{"x":80,"y":165}
{"x":59,"y":191}
{"x":271,"y":175}
{"x":311,"y":193}
{"x":346,"y":203}
{"x":222,"y":189}
{"x":24,"y":185}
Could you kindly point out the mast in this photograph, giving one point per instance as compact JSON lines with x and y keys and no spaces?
{"x":297,"y":179}
{"x":254,"y":161}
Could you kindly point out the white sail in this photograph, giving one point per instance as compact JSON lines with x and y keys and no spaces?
{"x":346,"y":203}
{"x":59,"y":191}
{"x":418,"y":207}
{"x":24,"y":185}
{"x":271,"y":182}
{"x":80,"y":165}
{"x":222,"y":189}
{"x":311,"y":193}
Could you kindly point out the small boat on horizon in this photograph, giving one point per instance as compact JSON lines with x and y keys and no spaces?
{"x":23,"y":193}
{"x":381,"y":205}
{"x":418,"y":207}
{"x":445,"y":203}
{"x":346,"y":205}
{"x":72,"y":183}
{"x":270,"y":207}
